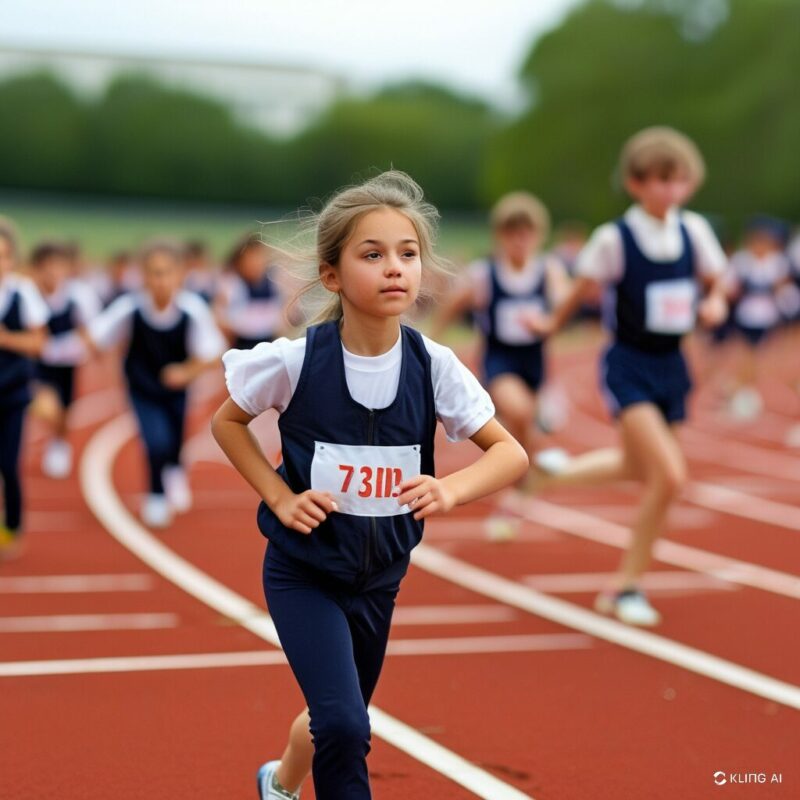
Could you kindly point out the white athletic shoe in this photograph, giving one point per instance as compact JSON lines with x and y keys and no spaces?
{"x":793,"y":436}
{"x":552,"y":461}
{"x":500,"y":528}
{"x":156,"y":512}
{"x":268,"y":786}
{"x":631,"y":607}
{"x":57,"y":459}
{"x":745,"y":404}
{"x":176,"y":487}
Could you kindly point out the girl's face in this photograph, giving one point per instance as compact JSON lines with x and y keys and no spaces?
{"x":162,"y":276}
{"x":252,"y":262}
{"x":380,"y":266}
{"x":657,"y":194}
{"x":53,"y":272}
{"x":518,"y":242}
{"x":7,"y":257}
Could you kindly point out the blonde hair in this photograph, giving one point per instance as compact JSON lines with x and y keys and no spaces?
{"x":520,"y":208}
{"x":661,"y":150}
{"x":334,"y":225}
{"x":8,"y":231}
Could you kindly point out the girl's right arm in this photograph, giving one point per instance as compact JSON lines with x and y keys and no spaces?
{"x":301,"y":512}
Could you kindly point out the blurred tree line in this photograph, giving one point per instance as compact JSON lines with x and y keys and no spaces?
{"x":725,"y":71}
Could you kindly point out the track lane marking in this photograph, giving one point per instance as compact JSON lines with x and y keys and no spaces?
{"x":470,"y":645}
{"x":478,"y":580}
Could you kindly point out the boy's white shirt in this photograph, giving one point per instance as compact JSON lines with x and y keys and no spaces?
{"x":115,"y":324}
{"x":33,"y":309}
{"x":602,"y":258}
{"x":515,"y":282}
{"x":82,"y":294}
{"x":267,"y":376}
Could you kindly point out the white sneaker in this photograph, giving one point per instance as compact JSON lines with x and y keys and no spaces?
{"x":57,"y":459}
{"x":156,"y":511}
{"x":501,"y":528}
{"x":268,"y":786}
{"x":746,"y":404}
{"x":631,"y":607}
{"x":552,"y":461}
{"x":176,"y":487}
{"x":793,"y":436}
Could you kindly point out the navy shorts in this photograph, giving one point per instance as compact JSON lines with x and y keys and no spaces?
{"x":61,"y":379}
{"x":527,"y":362}
{"x":753,"y":336}
{"x":631,"y":376}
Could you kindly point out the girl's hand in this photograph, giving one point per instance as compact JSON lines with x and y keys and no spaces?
{"x":541,"y":324}
{"x":426,"y":495}
{"x":175,"y":376}
{"x":712,"y":311}
{"x":304,"y":512}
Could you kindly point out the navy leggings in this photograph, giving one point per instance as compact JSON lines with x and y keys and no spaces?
{"x":335,"y":641}
{"x":11,"y":420}
{"x":161,"y":422}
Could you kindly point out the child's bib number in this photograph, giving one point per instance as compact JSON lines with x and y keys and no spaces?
{"x":671,"y":306}
{"x":758,"y":311}
{"x":364,"y":479}
{"x":511,"y":316}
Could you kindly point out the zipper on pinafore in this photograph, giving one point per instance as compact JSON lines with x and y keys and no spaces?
{"x":373,"y":525}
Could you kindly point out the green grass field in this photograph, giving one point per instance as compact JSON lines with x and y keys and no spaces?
{"x":103,"y":227}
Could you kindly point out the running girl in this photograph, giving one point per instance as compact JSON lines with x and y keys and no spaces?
{"x":662,"y":269}
{"x":170,"y":339}
{"x":72,"y":304}
{"x":249,"y":305}
{"x":507,"y":292}
{"x":760,"y":274}
{"x":359,"y":397}
{"x":23,"y":315}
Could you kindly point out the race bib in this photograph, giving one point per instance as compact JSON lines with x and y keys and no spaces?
{"x":671,"y":306}
{"x":364,"y":479}
{"x":510,"y":318}
{"x":758,"y":311}
{"x":257,"y":318}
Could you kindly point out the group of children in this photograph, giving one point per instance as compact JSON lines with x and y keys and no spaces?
{"x":360,"y":394}
{"x":52,"y":319}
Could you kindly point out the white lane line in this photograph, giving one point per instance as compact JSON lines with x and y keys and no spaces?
{"x":98,"y":489}
{"x":595,"y":529}
{"x":731,"y":501}
{"x":67,"y":584}
{"x":560,"y":611}
{"x":451,"y":615}
{"x":251,"y":658}
{"x":69,"y":623}
{"x":83,"y":666}
{"x":670,"y":581}
{"x":470,"y":645}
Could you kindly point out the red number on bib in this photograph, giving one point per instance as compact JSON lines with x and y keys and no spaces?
{"x":349,"y":470}
{"x":386,"y":483}
{"x":366,"y":485}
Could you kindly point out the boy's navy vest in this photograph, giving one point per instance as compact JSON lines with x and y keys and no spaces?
{"x":538,"y":293}
{"x":348,"y":547}
{"x":639,"y":272}
{"x":16,"y":370}
{"x":64,"y":320}
{"x":262,"y":289}
{"x":150,"y":350}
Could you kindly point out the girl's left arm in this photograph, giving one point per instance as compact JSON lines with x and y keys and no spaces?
{"x":713,"y":308}
{"x":27,"y":343}
{"x":504,"y":461}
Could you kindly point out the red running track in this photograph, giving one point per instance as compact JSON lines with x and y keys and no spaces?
{"x":550,"y":710}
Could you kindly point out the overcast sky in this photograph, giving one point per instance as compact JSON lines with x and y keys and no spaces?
{"x":474,"y":45}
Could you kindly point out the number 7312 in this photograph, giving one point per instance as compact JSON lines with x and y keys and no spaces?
{"x":375,"y":481}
